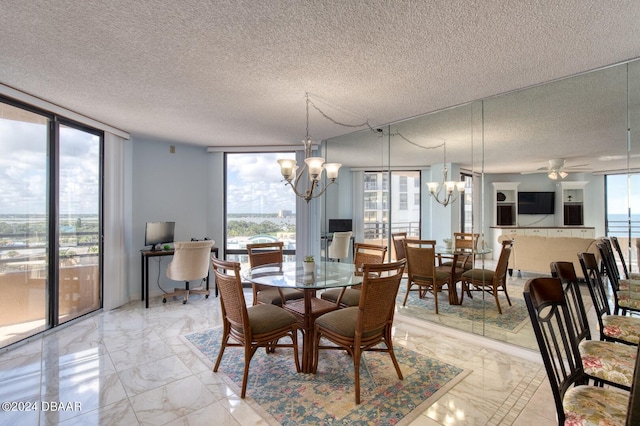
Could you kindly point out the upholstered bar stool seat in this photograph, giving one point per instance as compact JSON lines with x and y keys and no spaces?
{"x":595,"y":406}
{"x":621,"y":328}
{"x":612,"y":362}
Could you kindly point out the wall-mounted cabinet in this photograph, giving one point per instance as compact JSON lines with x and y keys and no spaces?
{"x":572,"y":203}
{"x":505,"y":200}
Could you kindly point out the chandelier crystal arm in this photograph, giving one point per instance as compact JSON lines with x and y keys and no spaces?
{"x":313,"y":166}
{"x":453,"y":189}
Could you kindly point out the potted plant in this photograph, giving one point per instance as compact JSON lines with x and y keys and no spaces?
{"x":447,"y":243}
{"x":309,"y":264}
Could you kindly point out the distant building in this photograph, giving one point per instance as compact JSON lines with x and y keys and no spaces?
{"x":285,"y":213}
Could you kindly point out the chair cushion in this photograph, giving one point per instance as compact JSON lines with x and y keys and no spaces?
{"x":627,"y":301}
{"x":342,"y":321}
{"x":622,"y":328}
{"x":271,"y":296}
{"x":267,"y":318}
{"x":594,"y":405}
{"x":479,"y":275}
{"x":351,"y":296}
{"x":440,"y":276}
{"x":609,"y":361}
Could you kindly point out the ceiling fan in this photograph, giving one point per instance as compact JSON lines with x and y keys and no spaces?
{"x":557,"y":170}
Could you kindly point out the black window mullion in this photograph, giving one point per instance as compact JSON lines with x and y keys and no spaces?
{"x":54,"y":228}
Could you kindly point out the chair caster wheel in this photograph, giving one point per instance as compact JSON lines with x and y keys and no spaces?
{"x":164,"y":300}
{"x":184,"y":302}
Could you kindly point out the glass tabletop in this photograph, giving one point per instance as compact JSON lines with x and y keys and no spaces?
{"x":477,"y":252}
{"x":290,"y":274}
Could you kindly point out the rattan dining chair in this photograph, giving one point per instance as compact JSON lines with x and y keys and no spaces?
{"x":422,"y":272}
{"x":366,"y":327}
{"x":613,"y":328}
{"x":489,"y":281}
{"x":574,"y":399}
{"x":464,"y":245}
{"x":398,"y":244}
{"x":604,"y":362}
{"x":250,"y":327}
{"x":365,"y":254}
{"x":269,"y":254}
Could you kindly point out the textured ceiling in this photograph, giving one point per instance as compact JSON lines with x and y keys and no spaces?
{"x":235,"y":72}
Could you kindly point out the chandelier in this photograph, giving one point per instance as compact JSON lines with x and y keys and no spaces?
{"x":313,"y":166}
{"x":452,"y":189}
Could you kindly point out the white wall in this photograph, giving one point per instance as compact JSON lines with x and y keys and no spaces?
{"x":594,"y":208}
{"x":168,"y":187}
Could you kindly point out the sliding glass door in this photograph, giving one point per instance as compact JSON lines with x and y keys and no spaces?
{"x":50,"y":226}
{"x":79,"y":223}
{"x":24,"y":223}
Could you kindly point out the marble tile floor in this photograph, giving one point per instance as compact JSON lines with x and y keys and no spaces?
{"x":129,"y":366}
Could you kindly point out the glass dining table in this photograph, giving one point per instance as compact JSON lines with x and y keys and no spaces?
{"x":291,"y":275}
{"x":456,"y":258}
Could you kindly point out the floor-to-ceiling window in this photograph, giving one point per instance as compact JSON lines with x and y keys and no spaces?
{"x":258,"y":206}
{"x":466,"y":204}
{"x":623,"y":213}
{"x":402,"y":214}
{"x":50,"y":227}
{"x":79,"y":222}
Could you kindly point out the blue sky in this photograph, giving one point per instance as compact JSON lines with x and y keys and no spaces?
{"x":255,"y":184}
{"x":23,"y":173}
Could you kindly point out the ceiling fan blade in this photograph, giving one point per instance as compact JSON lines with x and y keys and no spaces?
{"x":535,"y":171}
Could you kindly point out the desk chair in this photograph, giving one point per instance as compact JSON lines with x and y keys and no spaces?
{"x":339,"y":248}
{"x":190,"y":262}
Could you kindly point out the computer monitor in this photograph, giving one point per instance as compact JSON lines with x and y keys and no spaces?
{"x":340,"y":225}
{"x":158,"y":233}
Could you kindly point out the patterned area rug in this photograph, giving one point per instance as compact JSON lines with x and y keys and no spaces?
{"x":327,"y":397}
{"x":513,"y":317}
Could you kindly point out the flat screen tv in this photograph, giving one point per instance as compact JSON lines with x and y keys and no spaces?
{"x":536,"y":202}
{"x":158,"y":233}
{"x":340,"y":225}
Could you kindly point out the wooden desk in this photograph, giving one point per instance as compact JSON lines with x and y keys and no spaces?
{"x":145,"y":255}
{"x":290,"y":275}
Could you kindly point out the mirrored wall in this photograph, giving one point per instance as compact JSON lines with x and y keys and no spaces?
{"x":583,"y":128}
